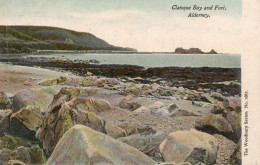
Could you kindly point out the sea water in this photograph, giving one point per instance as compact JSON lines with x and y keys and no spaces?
{"x":157,"y":59}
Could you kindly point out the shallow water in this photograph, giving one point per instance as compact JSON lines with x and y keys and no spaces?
{"x":158,"y":60}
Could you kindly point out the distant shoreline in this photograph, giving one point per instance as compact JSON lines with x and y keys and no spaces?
{"x":43,"y":52}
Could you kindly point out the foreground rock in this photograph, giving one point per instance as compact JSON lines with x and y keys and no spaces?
{"x":235,"y":158}
{"x":11,"y":142}
{"x":82,"y":145}
{"x":234,"y":120}
{"x":25,"y":154}
{"x":215,"y":124}
{"x":25,"y":122}
{"x":13,"y":148}
{"x":5,"y":102}
{"x":148,"y":144}
{"x":4,"y":120}
{"x":63,"y":115}
{"x":192,"y":146}
{"x":40,"y":98}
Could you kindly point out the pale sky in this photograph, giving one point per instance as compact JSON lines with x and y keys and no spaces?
{"x":147,"y":25}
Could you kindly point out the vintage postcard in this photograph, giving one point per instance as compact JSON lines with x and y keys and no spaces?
{"x":129,"y":82}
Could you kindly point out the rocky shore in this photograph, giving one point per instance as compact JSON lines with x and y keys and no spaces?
{"x":144,"y":116}
{"x":226,"y":81}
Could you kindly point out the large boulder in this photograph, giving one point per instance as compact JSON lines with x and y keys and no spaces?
{"x":64,"y":115}
{"x":5,"y":120}
{"x":192,"y":146}
{"x":148,"y":144}
{"x":234,"y":120}
{"x":5,"y":102}
{"x":82,"y":145}
{"x":212,"y":123}
{"x":25,"y":122}
{"x":40,"y":98}
{"x":129,"y":103}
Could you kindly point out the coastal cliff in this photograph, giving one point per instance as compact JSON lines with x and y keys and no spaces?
{"x":19,"y":39}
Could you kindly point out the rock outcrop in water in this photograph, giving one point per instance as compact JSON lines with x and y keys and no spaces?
{"x":181,"y":50}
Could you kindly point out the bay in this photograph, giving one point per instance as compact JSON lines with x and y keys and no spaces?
{"x":157,"y":59}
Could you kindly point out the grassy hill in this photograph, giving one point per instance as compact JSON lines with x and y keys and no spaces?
{"x":18,"y":39}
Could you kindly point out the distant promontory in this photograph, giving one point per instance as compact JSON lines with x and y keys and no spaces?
{"x":181,"y":50}
{"x":21,"y":39}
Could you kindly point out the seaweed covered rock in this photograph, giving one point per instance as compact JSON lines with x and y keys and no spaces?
{"x":192,"y":146}
{"x":82,"y":145}
{"x":21,"y":153}
{"x":40,"y":98}
{"x":26,"y":121}
{"x":53,"y":81}
{"x":90,"y":104}
{"x":11,"y":142}
{"x":33,"y":155}
{"x":5,"y":102}
{"x":70,"y":93}
{"x":63,"y":115}
{"x":14,"y":148}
